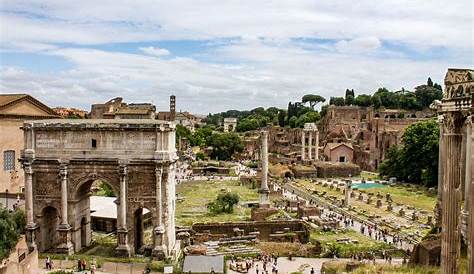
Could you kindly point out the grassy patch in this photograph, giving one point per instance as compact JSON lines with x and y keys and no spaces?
{"x":330,"y":245}
{"x":334,"y":267}
{"x":196,"y":195}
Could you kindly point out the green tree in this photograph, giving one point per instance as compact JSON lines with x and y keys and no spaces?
{"x":416,"y":160}
{"x":349,"y":98}
{"x":426,"y":94}
{"x":363,"y":100}
{"x":281,"y":118}
{"x":224,"y":203}
{"x":309,"y":117}
{"x":337,"y":101}
{"x":12,"y":224}
{"x":224,"y":145}
{"x":312,"y":99}
{"x":293,"y":122}
{"x":247,"y":124}
{"x":376,"y":102}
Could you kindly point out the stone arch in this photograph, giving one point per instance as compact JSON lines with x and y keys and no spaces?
{"x":90,"y":178}
{"x":143,"y":218}
{"x":48,"y":227}
{"x":81,"y":221}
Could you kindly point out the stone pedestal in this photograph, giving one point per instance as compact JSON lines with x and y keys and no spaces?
{"x":30,"y":233}
{"x":159,"y":251}
{"x":65,"y":245}
{"x":123,"y":249}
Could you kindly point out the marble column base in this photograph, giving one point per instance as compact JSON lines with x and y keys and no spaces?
{"x":123,"y":249}
{"x":30,"y":232}
{"x":65,"y":245}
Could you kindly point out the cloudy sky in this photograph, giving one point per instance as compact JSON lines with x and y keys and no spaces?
{"x":232,"y":54}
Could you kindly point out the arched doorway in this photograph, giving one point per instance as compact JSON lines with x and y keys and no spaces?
{"x":138,"y":225}
{"x":143,"y":235}
{"x":50,"y":221}
{"x":84,"y":241}
{"x":96,"y":214}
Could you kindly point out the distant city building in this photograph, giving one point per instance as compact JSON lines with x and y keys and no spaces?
{"x":14,"y":110}
{"x":171,"y":114}
{"x":117,"y":109}
{"x":188,"y":120}
{"x":70,"y":112}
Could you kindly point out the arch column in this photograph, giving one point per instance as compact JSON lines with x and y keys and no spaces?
{"x":31,"y":226}
{"x":64,"y":229}
{"x":123,"y":249}
{"x":159,"y":250}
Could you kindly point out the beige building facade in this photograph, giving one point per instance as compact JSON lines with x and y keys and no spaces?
{"x":14,"y":110}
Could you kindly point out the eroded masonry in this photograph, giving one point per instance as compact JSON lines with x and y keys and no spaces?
{"x":61,"y":160}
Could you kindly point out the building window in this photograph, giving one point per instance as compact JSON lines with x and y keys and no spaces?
{"x":94,"y":143}
{"x":9,"y":160}
{"x":342,"y":159}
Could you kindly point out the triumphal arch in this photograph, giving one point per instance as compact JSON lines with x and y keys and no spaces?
{"x":61,"y":160}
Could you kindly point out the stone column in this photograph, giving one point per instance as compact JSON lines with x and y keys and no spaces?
{"x":441,"y":155}
{"x":264,"y":191}
{"x":169,"y":210}
{"x":302,"y":145}
{"x":468,"y":198}
{"x":451,"y":196}
{"x":123,"y":249}
{"x":310,"y":148}
{"x":63,"y":176}
{"x":64,"y":230}
{"x":316,"y":152}
{"x":31,"y":226}
{"x":159,"y":250}
{"x":467,"y":178}
{"x":29,"y":194}
{"x":470,"y":252}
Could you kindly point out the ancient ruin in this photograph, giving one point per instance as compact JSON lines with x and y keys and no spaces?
{"x":367,"y":133}
{"x":455,"y":168}
{"x":230,"y":124}
{"x":61,"y":160}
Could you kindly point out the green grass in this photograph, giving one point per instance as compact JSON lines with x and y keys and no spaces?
{"x":329,"y":243}
{"x":196,"y":195}
{"x":334,"y":267}
{"x":408,"y":196}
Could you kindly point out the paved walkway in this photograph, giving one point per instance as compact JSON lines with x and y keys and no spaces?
{"x":107,"y":267}
{"x":302,"y":265}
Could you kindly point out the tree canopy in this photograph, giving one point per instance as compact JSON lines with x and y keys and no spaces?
{"x":416,"y":160}
{"x":312,"y":99}
{"x":224,"y":203}
{"x":12,"y":224}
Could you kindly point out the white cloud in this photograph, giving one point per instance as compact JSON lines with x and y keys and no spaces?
{"x":262,"y":75}
{"x":418,"y":23}
{"x":261,"y":65}
{"x":359,"y":45}
{"x":154,"y":51}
